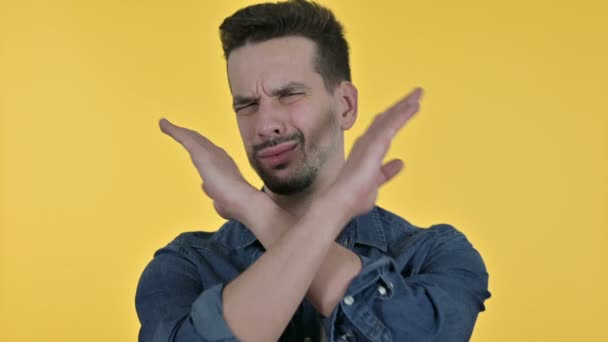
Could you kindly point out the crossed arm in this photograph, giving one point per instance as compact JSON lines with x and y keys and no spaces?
{"x":338,"y":268}
{"x":302,"y":258}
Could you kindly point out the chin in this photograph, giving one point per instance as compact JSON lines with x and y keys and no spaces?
{"x":289,"y":185}
{"x":285,"y":189}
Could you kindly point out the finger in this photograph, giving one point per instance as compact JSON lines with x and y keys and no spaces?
{"x":186,"y":137}
{"x":205,"y":189}
{"x":167,"y":127}
{"x":389,"y":170}
{"x":381,"y":132}
{"x":413,"y":97}
{"x":389,"y":124}
{"x":404,"y":110}
{"x":174,"y":131}
{"x":404,"y":117}
{"x":394,"y":118}
{"x":400,"y":118}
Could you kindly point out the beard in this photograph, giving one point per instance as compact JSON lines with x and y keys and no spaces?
{"x":295,"y":183}
{"x":307,"y":164}
{"x":301,"y":178}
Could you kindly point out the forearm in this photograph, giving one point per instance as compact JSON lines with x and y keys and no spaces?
{"x":340,"y":266}
{"x":268,"y":293}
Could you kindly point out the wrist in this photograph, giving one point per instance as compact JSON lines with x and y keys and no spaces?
{"x":266,"y":220}
{"x":254,"y":207}
{"x":243,"y":205}
{"x":334,"y":208}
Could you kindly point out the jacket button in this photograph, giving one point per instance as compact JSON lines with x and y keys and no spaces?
{"x":381,"y":290}
{"x":349,"y":300}
{"x":348,"y":336}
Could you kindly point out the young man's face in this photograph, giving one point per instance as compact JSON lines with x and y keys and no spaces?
{"x":287,"y":119}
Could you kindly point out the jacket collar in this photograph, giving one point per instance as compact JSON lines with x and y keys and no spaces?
{"x":367,"y":231}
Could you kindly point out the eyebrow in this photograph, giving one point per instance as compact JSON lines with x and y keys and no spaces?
{"x":286,"y":89}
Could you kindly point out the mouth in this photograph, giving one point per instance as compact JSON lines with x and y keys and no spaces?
{"x":277,"y":155}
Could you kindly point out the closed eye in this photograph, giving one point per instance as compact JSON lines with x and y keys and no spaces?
{"x":290,"y":97}
{"x":245,"y":108}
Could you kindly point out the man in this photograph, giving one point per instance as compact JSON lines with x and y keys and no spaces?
{"x":309,"y":258}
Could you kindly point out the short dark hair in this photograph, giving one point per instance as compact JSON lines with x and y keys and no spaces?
{"x":265,"y":21}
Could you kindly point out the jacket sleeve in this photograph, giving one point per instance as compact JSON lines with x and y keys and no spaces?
{"x":431,"y":289}
{"x":172,"y":304}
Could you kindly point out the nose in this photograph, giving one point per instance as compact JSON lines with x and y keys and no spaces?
{"x":271,"y":120}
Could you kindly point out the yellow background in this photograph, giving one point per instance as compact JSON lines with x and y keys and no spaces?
{"x":510,"y":147}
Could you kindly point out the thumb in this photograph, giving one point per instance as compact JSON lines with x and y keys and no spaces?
{"x":389,"y":170}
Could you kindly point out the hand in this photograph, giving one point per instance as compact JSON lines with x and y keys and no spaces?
{"x":363,"y":173}
{"x":222,"y":180}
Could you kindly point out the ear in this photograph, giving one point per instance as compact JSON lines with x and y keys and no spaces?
{"x":347,"y":96}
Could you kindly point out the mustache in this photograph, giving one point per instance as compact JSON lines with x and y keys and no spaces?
{"x":296,"y":137}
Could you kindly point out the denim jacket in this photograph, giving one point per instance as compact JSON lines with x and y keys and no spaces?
{"x":416,"y":284}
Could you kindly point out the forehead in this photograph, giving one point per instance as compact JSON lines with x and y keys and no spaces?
{"x":271,"y":64}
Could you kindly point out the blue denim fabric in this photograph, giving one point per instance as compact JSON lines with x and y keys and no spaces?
{"x":416,"y":284}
